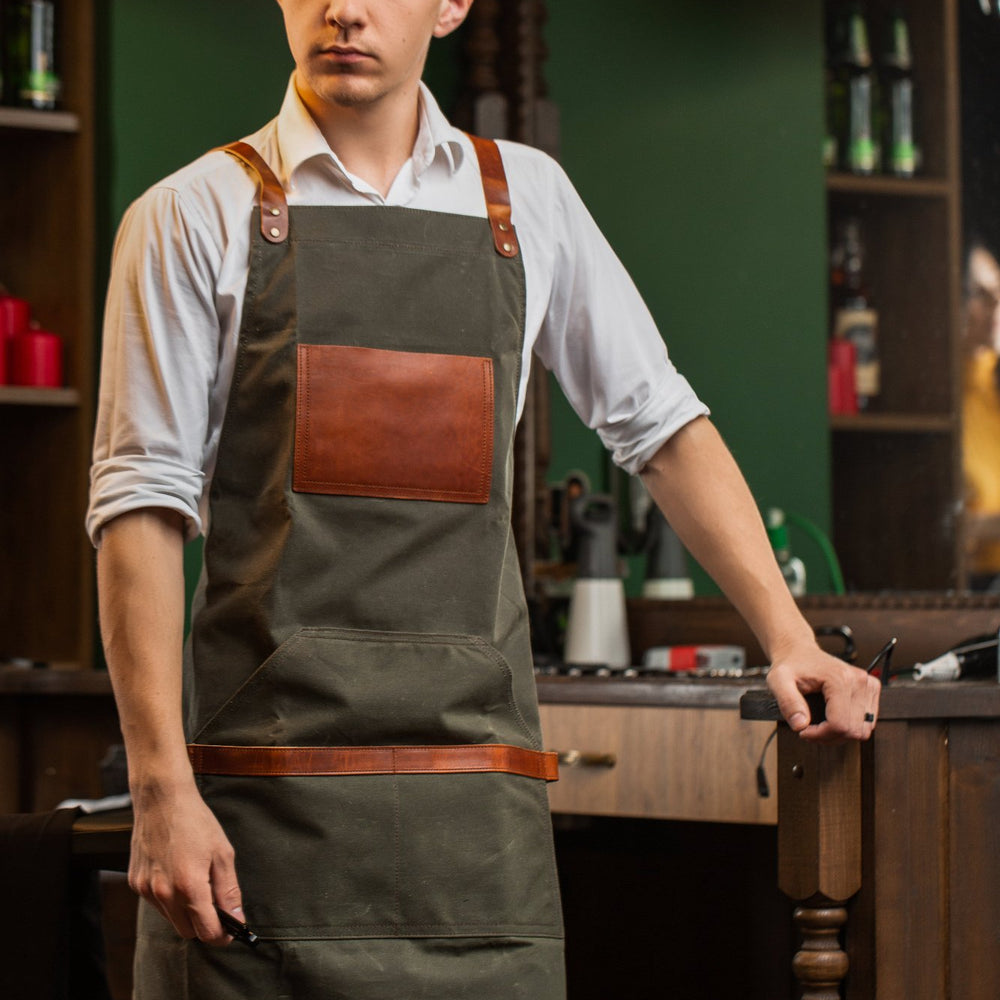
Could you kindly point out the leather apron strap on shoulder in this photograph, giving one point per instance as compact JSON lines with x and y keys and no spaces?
{"x":265,"y":761}
{"x":497,"y":195}
{"x":273,"y":205}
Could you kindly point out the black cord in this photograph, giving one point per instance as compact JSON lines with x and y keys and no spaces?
{"x":763,"y":790}
{"x":886,"y":653}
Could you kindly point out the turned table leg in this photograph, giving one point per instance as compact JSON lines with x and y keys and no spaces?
{"x":821,"y":964}
{"x":819,"y":853}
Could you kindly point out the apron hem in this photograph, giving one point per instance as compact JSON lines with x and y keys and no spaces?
{"x":385,"y":933}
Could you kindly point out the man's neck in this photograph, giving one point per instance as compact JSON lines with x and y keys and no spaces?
{"x":373,"y":141}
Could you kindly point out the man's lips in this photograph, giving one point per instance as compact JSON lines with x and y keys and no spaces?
{"x":345,"y":53}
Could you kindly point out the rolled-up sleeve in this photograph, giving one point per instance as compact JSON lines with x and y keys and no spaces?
{"x":160,"y":357}
{"x":602,"y":344}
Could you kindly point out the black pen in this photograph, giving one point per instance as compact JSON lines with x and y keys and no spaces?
{"x":237,"y":929}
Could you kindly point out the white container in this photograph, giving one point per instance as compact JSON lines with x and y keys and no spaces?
{"x":597,"y":629}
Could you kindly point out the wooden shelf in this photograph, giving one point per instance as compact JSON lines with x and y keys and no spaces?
{"x":901,"y":423}
{"x":17,"y":395}
{"x":58,"y":679}
{"x":47,"y":256}
{"x":43,"y":121}
{"x":903,"y":187}
{"x":881,"y":461}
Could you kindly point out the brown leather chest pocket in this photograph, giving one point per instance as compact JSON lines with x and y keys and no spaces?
{"x":394,"y":424}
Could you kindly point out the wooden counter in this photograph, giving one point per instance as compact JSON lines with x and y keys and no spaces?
{"x":899,"y":840}
{"x":892,"y":848}
{"x":656,"y":749}
{"x":55,"y":727}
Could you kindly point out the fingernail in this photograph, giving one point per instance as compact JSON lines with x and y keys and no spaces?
{"x":237,"y":911}
{"x":798,"y":721}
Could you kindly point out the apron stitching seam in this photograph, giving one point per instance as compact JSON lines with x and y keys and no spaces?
{"x":302,"y":359}
{"x":280,"y":652}
{"x":397,"y":843}
{"x":461,"y":253}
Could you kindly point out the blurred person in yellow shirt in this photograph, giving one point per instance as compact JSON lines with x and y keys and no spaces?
{"x":981,"y":418}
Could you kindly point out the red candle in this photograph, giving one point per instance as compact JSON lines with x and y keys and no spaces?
{"x":37,"y":359}
{"x":14,"y":315}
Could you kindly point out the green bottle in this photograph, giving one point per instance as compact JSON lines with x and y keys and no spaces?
{"x":897,"y":74}
{"x":835,"y":86}
{"x":861,"y":152}
{"x":29,"y":64}
{"x":793,"y":569}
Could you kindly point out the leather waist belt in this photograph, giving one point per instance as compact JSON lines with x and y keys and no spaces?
{"x":293,"y":761}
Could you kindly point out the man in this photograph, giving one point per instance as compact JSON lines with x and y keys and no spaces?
{"x":981,"y":417}
{"x":316,"y":348}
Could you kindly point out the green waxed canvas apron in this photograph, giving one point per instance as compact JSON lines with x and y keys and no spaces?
{"x":361,"y":592}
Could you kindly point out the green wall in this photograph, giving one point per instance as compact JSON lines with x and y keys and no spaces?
{"x":693,"y":132}
{"x":185,"y":76}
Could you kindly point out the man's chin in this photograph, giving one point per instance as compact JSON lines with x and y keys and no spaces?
{"x":352,"y":99}
{"x":350,"y":92}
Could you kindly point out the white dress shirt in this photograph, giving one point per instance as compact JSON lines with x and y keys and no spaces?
{"x":179,"y":274}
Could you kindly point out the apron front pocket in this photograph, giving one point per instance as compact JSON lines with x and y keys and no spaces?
{"x":393,"y":424}
{"x":352,"y":687}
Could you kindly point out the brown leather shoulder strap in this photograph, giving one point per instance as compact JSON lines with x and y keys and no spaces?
{"x":497,"y":195}
{"x":273,"y":206}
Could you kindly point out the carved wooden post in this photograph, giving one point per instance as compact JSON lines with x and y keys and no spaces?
{"x":819,"y":852}
{"x":483,"y":105}
{"x":504,"y":95}
{"x":821,"y":964}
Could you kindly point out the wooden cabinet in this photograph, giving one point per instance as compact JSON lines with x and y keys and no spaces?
{"x":658,"y":762}
{"x":896,"y":475}
{"x":891,"y":845}
{"x":56,"y":727}
{"x":47,"y":257}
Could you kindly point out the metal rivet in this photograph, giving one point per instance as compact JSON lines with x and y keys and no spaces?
{"x":507,"y":248}
{"x":503,"y":227}
{"x":798,"y":771}
{"x":275,"y":232}
{"x":275,"y":211}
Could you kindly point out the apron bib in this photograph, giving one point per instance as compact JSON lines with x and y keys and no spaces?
{"x":360,"y":636}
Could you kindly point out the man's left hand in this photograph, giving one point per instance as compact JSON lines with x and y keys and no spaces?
{"x":851,"y":694}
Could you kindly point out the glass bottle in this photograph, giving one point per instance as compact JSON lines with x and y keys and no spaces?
{"x":855,"y":317}
{"x":835,"y":88}
{"x":793,"y":569}
{"x":861,"y":148}
{"x":29,"y":63}
{"x":897,"y":75}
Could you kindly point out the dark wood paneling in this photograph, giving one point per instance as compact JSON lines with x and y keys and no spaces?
{"x":925,"y":624}
{"x":910,"y":862}
{"x":974,"y":851}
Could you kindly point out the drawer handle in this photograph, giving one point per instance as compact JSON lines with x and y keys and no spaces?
{"x":578,"y":758}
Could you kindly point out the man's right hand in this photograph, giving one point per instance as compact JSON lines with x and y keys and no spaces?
{"x":183,"y":863}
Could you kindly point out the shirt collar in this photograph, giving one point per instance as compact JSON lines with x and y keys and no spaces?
{"x":299,"y":138}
